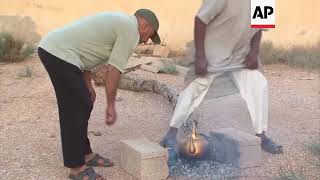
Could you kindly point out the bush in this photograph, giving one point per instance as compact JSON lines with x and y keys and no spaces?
{"x":13,"y":50}
{"x":295,"y":56}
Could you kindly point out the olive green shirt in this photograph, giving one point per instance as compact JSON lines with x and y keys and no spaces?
{"x":108,"y":38}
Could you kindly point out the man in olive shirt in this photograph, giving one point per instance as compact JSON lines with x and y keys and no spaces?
{"x":69,"y":54}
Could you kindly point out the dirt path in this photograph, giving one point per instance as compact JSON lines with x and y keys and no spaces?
{"x":29,"y":131}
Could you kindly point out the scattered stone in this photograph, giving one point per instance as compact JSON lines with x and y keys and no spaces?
{"x":306,"y":78}
{"x":119,"y":99}
{"x":97,"y":133}
{"x":161,"y":51}
{"x":52,"y":136}
{"x":275,"y":74}
{"x":181,"y":69}
{"x":134,"y":83}
{"x":149,"y":68}
{"x":136,"y":55}
{"x":144,"y":49}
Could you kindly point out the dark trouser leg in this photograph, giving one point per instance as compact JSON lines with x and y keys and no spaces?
{"x":74,"y":105}
{"x":87,"y":147}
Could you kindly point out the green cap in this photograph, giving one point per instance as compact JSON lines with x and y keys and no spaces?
{"x":153,"y":21}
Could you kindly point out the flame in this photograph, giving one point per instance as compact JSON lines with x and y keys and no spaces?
{"x":192,"y":147}
{"x":193,"y":136}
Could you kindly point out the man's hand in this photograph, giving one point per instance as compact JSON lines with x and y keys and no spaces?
{"x":201,"y":65}
{"x":92,"y":93}
{"x":87,"y":78}
{"x":112,"y":78}
{"x":251,"y":61}
{"x":111,"y":115}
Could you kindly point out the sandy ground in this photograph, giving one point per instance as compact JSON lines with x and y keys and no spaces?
{"x":29,"y":131}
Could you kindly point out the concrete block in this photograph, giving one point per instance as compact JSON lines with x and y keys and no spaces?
{"x":233,"y":146}
{"x":160,"y":51}
{"x":143,"y":159}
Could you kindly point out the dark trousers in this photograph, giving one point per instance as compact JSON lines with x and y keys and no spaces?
{"x":75,"y":106}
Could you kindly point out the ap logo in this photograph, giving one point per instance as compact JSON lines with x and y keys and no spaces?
{"x":263,"y":14}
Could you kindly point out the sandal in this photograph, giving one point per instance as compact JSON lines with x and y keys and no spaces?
{"x":88,"y":172}
{"x":95,"y":161}
{"x":271,"y":147}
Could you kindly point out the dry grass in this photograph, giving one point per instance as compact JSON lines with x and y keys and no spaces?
{"x":296,"y":56}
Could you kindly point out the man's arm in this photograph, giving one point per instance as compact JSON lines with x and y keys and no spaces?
{"x":87,"y":77}
{"x":201,"y":62}
{"x":251,"y":60}
{"x":124,"y":45}
{"x":112,"y":78}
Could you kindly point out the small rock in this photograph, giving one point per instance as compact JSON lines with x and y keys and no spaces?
{"x":306,"y":78}
{"x":97,"y":133}
{"x":119,"y":99}
{"x":52,"y":136}
{"x":161,"y":51}
{"x":275,"y":74}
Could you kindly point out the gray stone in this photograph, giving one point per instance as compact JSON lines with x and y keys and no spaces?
{"x":143,"y":159}
{"x":229,"y":145}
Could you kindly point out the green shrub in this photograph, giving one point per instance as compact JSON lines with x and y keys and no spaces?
{"x":13,"y":50}
{"x":168,"y":67}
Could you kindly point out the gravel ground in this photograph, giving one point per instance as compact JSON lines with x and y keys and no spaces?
{"x":29,"y":131}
